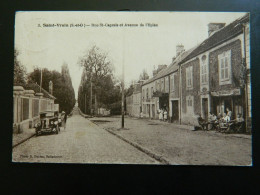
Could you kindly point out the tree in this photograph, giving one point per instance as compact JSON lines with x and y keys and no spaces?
{"x":62,"y":86}
{"x":19,"y":71}
{"x":98,"y":71}
{"x":144,"y":75}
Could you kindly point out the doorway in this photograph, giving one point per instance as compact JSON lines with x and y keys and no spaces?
{"x":228,"y":104}
{"x":153,"y":111}
{"x":148,"y":110}
{"x":205,"y":109}
{"x":175,"y":111}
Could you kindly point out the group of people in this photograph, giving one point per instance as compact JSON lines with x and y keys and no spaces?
{"x":163,"y":114}
{"x":220,"y":121}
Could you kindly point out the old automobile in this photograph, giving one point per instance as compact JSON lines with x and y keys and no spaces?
{"x":48,"y":123}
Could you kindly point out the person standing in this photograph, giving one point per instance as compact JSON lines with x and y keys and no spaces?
{"x":63,"y":119}
{"x":165,"y":115}
{"x":229,"y":113}
{"x":160,"y":114}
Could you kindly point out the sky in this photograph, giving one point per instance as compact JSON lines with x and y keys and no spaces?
{"x":40,"y":44}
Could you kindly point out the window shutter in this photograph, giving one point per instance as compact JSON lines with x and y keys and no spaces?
{"x":219,"y":67}
{"x":229,"y":65}
{"x":191,"y":76}
{"x":187,"y":76}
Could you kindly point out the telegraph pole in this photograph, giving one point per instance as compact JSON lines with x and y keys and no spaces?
{"x":123,"y":84}
{"x":90,"y":101}
{"x":85,"y":104}
{"x":41,"y":82}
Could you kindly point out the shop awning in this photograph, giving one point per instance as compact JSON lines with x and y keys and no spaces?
{"x":229,"y":92}
{"x":160,"y":94}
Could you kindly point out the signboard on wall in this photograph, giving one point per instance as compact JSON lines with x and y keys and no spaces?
{"x":56,"y":107}
{"x":226,"y":92}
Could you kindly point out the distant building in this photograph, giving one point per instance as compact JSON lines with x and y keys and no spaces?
{"x":162,"y":90}
{"x":133,"y":102}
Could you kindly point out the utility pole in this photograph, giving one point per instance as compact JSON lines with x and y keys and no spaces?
{"x":85,"y":104}
{"x":90,"y":101}
{"x":123,"y":84}
{"x":95,"y":103}
{"x":41,"y":82}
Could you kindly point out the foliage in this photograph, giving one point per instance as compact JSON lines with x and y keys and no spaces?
{"x":115,"y":108}
{"x":19,"y":71}
{"x":98,"y":70}
{"x":62,"y":86}
{"x":130,"y":90}
{"x":144,"y":75}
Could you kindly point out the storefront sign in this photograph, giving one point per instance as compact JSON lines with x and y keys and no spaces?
{"x":226,"y":92}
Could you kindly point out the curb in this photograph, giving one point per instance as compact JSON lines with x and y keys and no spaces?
{"x":22,"y":141}
{"x":84,"y":115}
{"x":142,"y":149}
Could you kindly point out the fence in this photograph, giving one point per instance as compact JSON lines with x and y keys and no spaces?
{"x":26,"y":108}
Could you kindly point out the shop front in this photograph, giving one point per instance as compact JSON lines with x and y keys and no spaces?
{"x":227,"y":99}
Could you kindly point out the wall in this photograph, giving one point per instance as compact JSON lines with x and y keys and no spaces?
{"x":150,"y":102}
{"x":129,"y":104}
{"x":236,"y":61}
{"x":186,"y":116}
{"x":174,"y":91}
{"x":26,"y":108}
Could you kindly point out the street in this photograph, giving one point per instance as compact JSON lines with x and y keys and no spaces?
{"x":81,"y":142}
{"x":181,"y":146}
{"x":91,"y":141}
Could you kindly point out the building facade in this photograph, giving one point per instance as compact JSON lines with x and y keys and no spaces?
{"x":133,"y":102}
{"x":216,"y":75}
{"x":211,"y":77}
{"x":27,"y":104}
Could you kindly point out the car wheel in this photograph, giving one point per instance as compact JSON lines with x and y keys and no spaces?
{"x":57,"y":130}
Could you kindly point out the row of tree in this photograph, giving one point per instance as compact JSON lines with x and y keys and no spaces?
{"x":62,"y":86}
{"x":98,"y":87}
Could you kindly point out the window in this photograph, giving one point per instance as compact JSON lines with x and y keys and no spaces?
{"x":162,"y":84}
{"x":172,"y":88}
{"x":224,"y":61}
{"x":189,"y":104}
{"x":158,"y":85}
{"x":189,"y":81}
{"x":204,"y":70}
{"x":151,"y":92}
{"x":143,"y":94}
{"x":167,"y":84}
{"x":147,"y":93}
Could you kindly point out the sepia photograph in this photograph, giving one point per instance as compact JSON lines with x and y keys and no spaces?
{"x":153,"y":88}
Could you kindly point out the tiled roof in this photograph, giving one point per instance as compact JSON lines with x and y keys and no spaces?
{"x":36,"y":88}
{"x":171,"y":68}
{"x":219,"y":37}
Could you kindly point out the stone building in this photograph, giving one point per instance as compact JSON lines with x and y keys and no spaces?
{"x":213,"y":75}
{"x":133,"y":102}
{"x":210,"y":77}
{"x":28,"y":102}
{"x":162,"y":90}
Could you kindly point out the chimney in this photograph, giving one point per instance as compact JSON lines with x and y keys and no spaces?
{"x":50,"y":87}
{"x":154,"y":72}
{"x":213,"y":27}
{"x":179,"y":49}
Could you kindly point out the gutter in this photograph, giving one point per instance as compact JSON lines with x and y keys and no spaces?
{"x":219,"y":43}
